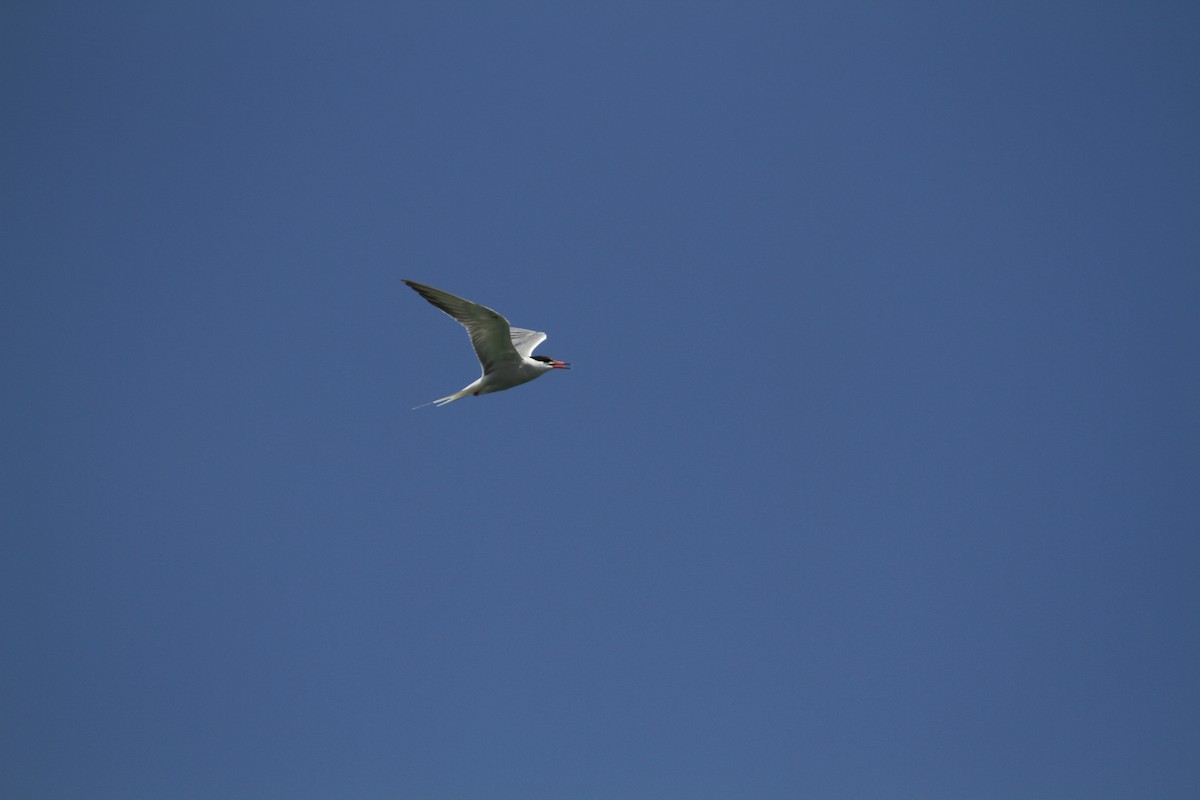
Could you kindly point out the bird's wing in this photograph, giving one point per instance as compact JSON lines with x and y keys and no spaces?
{"x":489,"y":331}
{"x":526,"y":341}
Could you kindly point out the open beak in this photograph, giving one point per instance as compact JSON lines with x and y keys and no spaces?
{"x":560,"y":365}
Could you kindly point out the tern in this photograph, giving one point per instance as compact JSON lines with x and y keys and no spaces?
{"x":504,"y":352}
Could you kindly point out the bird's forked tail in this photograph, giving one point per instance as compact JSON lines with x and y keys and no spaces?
{"x":441,"y":401}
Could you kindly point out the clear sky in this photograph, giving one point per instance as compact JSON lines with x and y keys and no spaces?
{"x":877,"y":475}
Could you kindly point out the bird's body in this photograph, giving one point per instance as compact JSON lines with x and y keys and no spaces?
{"x":504,"y":352}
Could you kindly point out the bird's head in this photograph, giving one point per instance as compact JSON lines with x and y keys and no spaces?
{"x":551,"y":363}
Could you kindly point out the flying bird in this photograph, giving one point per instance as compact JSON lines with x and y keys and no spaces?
{"x":504,"y":351}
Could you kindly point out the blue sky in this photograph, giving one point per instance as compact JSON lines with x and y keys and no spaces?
{"x":876,"y":475}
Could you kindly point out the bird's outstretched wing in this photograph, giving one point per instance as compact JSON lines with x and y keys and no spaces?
{"x":490,"y":333}
{"x":526,"y":341}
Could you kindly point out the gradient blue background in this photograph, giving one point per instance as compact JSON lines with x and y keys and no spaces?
{"x":878,"y":473}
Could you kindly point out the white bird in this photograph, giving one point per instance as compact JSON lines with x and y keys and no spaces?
{"x":504,"y":351}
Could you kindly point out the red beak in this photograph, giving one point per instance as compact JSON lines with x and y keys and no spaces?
{"x":560,"y":365}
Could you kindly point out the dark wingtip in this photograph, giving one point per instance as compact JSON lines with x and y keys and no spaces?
{"x":419,"y":288}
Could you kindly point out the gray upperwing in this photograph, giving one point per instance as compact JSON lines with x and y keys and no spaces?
{"x":489,"y":332}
